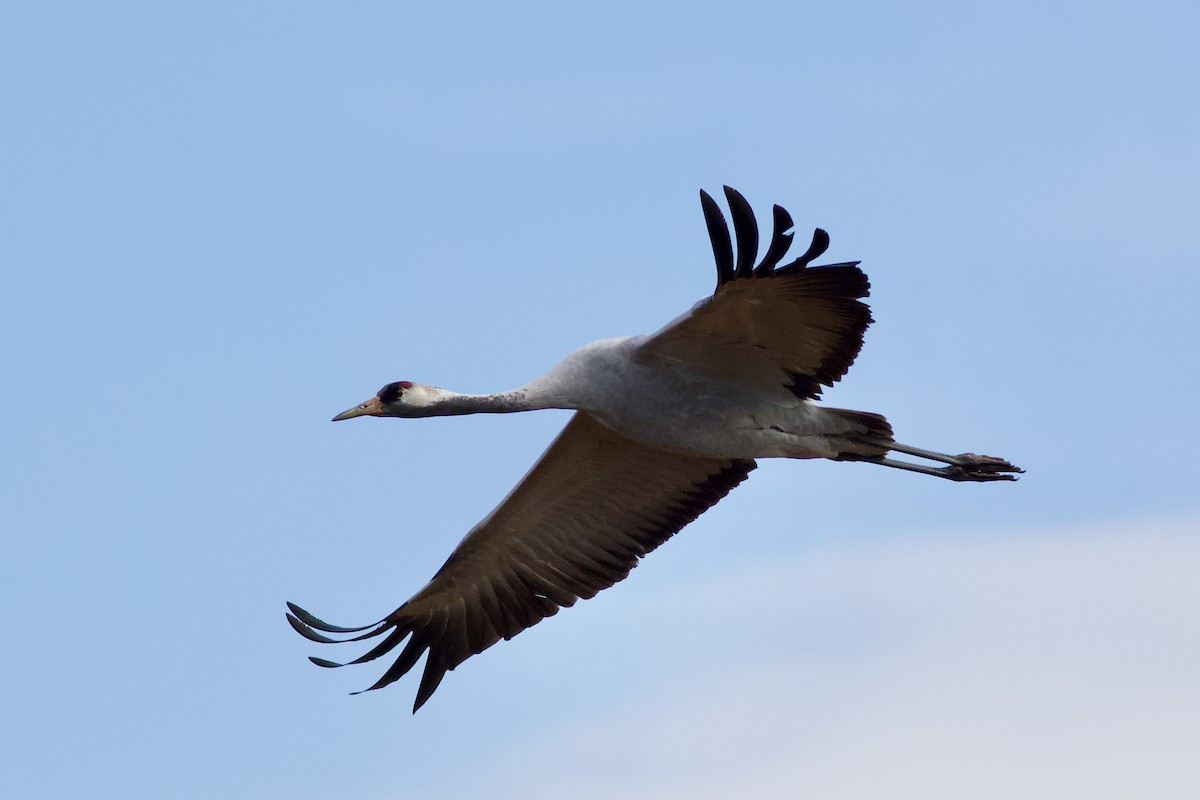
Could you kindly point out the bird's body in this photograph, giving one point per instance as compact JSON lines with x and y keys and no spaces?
{"x":666,"y":425}
{"x":671,"y":405}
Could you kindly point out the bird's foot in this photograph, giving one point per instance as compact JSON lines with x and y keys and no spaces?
{"x":962,"y":467}
{"x":972,"y":467}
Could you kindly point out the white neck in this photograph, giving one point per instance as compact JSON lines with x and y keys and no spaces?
{"x":574,"y":383}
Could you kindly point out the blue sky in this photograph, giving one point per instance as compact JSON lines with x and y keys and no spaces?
{"x":221,"y":224}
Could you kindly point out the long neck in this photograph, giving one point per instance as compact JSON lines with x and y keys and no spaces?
{"x":531,"y":397}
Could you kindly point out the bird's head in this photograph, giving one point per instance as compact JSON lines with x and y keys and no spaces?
{"x":399,"y":399}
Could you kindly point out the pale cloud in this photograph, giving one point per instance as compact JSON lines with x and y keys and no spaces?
{"x":1055,"y":663}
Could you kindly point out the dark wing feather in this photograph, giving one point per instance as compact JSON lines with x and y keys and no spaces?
{"x":745,"y":228}
{"x":593,"y":505}
{"x":794,"y":326}
{"x":718,"y":234}
{"x":781,"y":240}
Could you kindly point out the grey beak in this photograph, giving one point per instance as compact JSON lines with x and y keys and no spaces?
{"x":371,"y":408}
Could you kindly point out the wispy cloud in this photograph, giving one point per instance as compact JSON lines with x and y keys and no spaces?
{"x":1056,"y":663}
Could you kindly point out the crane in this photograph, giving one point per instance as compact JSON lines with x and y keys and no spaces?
{"x":665,"y":425}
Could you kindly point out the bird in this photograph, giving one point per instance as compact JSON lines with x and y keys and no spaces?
{"x":665,"y":426}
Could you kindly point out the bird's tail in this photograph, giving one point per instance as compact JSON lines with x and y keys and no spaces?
{"x":867,"y":434}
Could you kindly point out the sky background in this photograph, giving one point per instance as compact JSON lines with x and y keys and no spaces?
{"x":222,"y":223}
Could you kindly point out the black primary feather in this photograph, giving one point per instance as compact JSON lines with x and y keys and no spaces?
{"x":718,"y":234}
{"x":820,"y":243}
{"x":746,"y":229}
{"x":781,"y":240}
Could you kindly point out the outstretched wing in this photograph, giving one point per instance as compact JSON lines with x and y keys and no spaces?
{"x":594,"y":504}
{"x":768,"y":327}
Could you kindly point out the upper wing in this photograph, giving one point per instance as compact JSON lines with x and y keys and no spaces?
{"x":593,"y":504}
{"x":767,"y":327}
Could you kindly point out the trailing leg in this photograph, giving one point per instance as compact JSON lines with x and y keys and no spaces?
{"x":869,"y":438}
{"x":962,"y":467}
